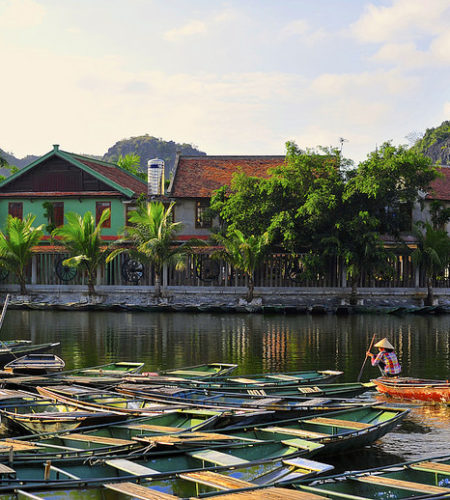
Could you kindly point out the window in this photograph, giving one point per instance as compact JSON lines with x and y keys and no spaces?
{"x":202,"y":216}
{"x":58,"y":214}
{"x":100,"y":206}
{"x":15,"y":209}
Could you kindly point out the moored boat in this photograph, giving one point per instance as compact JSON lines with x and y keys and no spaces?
{"x":36,"y":363}
{"x":298,"y":406}
{"x":207,"y":370}
{"x":433,"y":391}
{"x":425,"y":478}
{"x":9,"y":353}
{"x":281,"y":463}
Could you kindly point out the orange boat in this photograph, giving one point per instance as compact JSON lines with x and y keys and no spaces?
{"x":418,"y":389}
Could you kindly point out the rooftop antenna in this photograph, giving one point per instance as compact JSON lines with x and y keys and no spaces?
{"x":341,"y":142}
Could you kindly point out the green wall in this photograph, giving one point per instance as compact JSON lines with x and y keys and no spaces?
{"x":78,"y":205}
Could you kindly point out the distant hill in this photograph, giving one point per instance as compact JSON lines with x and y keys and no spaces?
{"x":17,"y":162}
{"x":435,"y":143}
{"x":148,"y":147}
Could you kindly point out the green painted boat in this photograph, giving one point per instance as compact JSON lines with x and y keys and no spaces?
{"x":339,"y":431}
{"x":117,"y":369}
{"x":204,"y":371}
{"x":86,"y":398}
{"x":346,"y":390}
{"x":243,"y":383}
{"x":45,"y":415}
{"x":425,"y":478}
{"x":297,"y":406}
{"x":282,"y":462}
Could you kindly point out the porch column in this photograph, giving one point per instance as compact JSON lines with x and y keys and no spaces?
{"x":417,"y":277}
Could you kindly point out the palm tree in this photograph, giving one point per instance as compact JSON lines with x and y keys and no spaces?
{"x":243,"y":253}
{"x":152,"y":236}
{"x":16,"y":245}
{"x":81,"y":237}
{"x":432,"y":254}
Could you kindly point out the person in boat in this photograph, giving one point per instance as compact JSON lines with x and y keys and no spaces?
{"x":386,"y":359}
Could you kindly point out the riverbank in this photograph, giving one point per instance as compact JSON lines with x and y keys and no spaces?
{"x":230,"y":299}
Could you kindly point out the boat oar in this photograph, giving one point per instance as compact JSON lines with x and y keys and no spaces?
{"x":365,"y":359}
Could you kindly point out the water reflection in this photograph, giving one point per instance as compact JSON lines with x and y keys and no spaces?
{"x":260,"y":343}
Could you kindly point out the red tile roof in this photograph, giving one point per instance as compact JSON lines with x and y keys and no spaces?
{"x":440,"y":188}
{"x":116,"y":174}
{"x":59,"y":194}
{"x":199,"y":176}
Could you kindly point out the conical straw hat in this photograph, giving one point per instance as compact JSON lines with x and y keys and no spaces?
{"x":384,"y":343}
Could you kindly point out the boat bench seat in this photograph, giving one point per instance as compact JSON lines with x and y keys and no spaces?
{"x":138,"y":491}
{"x":246,"y":381}
{"x":131,"y":467}
{"x":271,"y":494}
{"x":154,"y":428}
{"x":99,"y":439}
{"x":284,"y":377}
{"x":217,"y":457}
{"x":188,"y":437}
{"x":264,"y":401}
{"x":309,"y":390}
{"x":403,"y":485}
{"x":4,"y":469}
{"x":295,"y":432}
{"x":431,"y":467}
{"x":191,"y":373}
{"x":215,"y":480}
{"x":17,"y":445}
{"x":346,"y":424}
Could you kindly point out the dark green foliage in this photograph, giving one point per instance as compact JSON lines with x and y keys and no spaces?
{"x":436,"y":143}
{"x":50,"y":216}
{"x":148,"y":147}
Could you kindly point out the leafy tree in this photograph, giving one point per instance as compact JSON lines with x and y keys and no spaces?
{"x":16,"y":246}
{"x":132,"y":163}
{"x":152,"y":236}
{"x":243,"y":253}
{"x":389,"y":180}
{"x":432,"y":254}
{"x":288,"y":204}
{"x":81,"y":237}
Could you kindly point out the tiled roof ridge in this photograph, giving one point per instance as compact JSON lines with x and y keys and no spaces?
{"x":224,"y":157}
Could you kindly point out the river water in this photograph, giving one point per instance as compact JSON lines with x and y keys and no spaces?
{"x":263,"y":343}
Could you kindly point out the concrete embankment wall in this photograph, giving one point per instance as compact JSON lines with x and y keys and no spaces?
{"x":228,"y":298}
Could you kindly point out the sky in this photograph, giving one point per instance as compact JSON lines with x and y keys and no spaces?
{"x":231,"y":77}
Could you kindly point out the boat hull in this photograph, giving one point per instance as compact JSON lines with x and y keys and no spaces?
{"x":431,"y":391}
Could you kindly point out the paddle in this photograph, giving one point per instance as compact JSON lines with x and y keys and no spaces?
{"x":365,"y":359}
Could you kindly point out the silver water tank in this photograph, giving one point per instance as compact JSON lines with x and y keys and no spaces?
{"x":155,"y":172}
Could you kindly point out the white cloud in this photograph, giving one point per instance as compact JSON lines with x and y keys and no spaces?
{"x":403,"y":54}
{"x":190,"y":29}
{"x":301,"y":28}
{"x":402,"y":20}
{"x":19,"y":14}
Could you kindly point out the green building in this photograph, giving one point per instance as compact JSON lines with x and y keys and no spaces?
{"x":60,"y":182}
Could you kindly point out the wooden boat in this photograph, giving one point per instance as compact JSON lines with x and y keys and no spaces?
{"x":429,"y":478}
{"x":48,"y":416}
{"x":298,"y":406}
{"x":433,"y":391}
{"x":117,"y":369}
{"x":36,"y":363}
{"x":208,"y":370}
{"x":338,"y":431}
{"x":260,"y":381}
{"x":281,"y":463}
{"x":93,"y":399}
{"x":10,"y":353}
{"x":347,"y":390}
